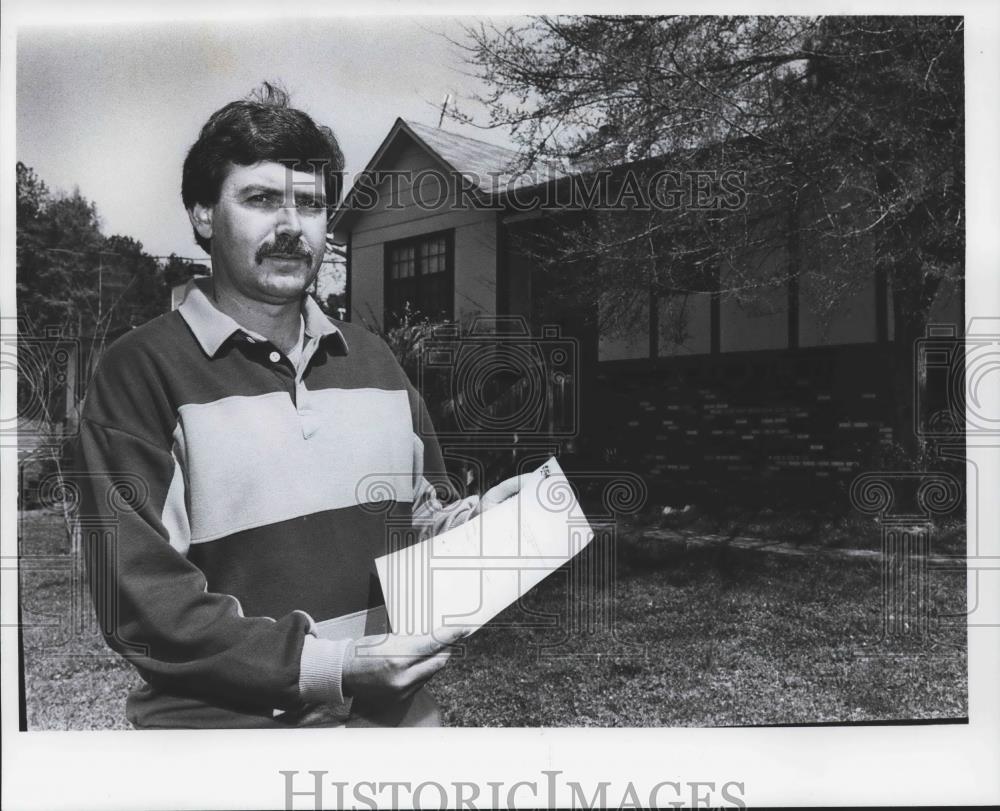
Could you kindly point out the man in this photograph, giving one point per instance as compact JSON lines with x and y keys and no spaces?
{"x":270,"y":452}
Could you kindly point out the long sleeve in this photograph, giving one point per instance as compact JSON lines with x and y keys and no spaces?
{"x":431,"y":516}
{"x":152,"y":603}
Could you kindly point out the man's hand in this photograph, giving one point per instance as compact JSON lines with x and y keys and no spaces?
{"x":391,"y":667}
{"x":500,"y":493}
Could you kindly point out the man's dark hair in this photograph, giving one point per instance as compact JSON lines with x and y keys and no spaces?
{"x":263,"y":127}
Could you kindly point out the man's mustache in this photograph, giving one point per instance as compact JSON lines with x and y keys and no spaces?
{"x":284,"y":246}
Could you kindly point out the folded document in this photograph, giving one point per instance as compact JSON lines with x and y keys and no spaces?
{"x":469,"y":574}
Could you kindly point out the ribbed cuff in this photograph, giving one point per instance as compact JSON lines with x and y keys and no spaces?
{"x":321,"y":671}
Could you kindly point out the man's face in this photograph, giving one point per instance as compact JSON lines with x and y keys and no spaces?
{"x":268,"y":231}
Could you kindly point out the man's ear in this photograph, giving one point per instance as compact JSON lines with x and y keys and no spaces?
{"x":201,"y":220}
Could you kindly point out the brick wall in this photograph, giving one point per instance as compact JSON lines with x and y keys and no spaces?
{"x":757,"y":425}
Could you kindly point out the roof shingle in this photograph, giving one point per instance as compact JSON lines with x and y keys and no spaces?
{"x":494,"y":168}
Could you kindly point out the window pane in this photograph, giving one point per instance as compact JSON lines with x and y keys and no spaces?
{"x":401,"y":269}
{"x":433,"y":297}
{"x":401,"y":262}
{"x":418,"y":275}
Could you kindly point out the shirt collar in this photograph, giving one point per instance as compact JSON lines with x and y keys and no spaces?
{"x":212,"y":327}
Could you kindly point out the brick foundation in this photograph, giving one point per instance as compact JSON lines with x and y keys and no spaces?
{"x":755,"y":424}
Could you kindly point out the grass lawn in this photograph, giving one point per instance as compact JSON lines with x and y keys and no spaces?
{"x":710,"y":640}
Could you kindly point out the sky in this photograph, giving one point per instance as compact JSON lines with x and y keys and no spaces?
{"x":113,"y":109}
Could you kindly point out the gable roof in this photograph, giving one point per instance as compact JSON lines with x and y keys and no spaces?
{"x":465,"y":154}
{"x":493,"y":169}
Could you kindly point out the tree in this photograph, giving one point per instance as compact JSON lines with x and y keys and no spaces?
{"x":849,"y":130}
{"x":138,"y":284}
{"x":330,"y":287}
{"x":72,"y":277}
{"x":76,"y":289}
{"x":56,"y":238}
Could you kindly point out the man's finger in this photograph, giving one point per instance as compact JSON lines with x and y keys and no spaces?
{"x":509,"y":487}
{"x":449,"y":635}
{"x":423,"y":670}
{"x":439,"y":639}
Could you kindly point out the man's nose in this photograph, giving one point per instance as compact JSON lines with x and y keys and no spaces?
{"x":288,"y":221}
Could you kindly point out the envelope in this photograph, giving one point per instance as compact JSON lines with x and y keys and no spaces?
{"x":469,"y":574}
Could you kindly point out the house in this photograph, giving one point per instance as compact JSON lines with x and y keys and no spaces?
{"x":748,"y":396}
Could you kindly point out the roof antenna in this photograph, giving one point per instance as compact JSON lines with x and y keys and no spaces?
{"x":444,"y":106}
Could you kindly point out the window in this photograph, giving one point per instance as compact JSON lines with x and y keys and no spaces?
{"x":420,"y":272}
{"x":685,"y":320}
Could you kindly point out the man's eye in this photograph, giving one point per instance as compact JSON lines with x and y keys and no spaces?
{"x":264,"y":200}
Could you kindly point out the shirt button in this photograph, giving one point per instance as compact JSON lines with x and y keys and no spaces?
{"x":274,"y":357}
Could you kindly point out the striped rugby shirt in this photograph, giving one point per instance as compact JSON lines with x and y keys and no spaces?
{"x":246,"y":562}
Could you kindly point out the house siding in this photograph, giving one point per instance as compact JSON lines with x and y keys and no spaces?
{"x":685,"y":325}
{"x":367,"y":283}
{"x":411,"y":210}
{"x":852,"y":321}
{"x":476,"y":268}
{"x":758,"y":320}
{"x":630,"y":340}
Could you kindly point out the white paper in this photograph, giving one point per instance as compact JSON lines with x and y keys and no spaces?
{"x":469,"y":574}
